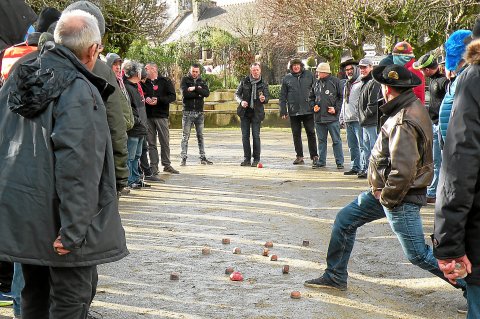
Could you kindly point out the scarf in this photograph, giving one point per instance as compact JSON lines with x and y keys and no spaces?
{"x":253,"y":96}
{"x":401,"y":59}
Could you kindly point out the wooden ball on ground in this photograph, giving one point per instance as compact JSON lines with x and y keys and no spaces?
{"x":237,"y":251}
{"x":206,"y":251}
{"x":274,"y":258}
{"x":174,"y":276}
{"x":229,"y":270}
{"x":226,"y":241}
{"x":269,"y":244}
{"x":265,"y":252}
{"x":306,"y":243}
{"x":295,"y":295}
{"x":285,"y":269}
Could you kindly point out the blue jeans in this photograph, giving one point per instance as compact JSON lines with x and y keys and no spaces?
{"x":246,"y":123}
{"x":405,"y":222}
{"x":355,"y":144}
{"x":189,"y":119}
{"x":437,"y":162}
{"x":134,"y":146}
{"x":17,"y":286}
{"x":369,"y":138}
{"x":322,"y":130}
{"x":473,"y":298}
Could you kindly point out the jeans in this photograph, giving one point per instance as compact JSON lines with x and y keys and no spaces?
{"x":134,"y":146}
{"x":322,"y":130}
{"x":189,"y":119}
{"x":246,"y":123}
{"x":57,"y":292}
{"x":369,"y":138}
{"x":355,"y":144}
{"x":405,"y":222}
{"x":437,"y":162}
{"x":473,"y":298}
{"x":17,"y":286}
{"x":158,"y":127}
{"x":309,"y":125}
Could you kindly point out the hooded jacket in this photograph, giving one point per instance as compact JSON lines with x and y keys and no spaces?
{"x":244,"y":93}
{"x":193,"y":101}
{"x":295,"y":93}
{"x":401,"y":162}
{"x":457,"y":214}
{"x":57,"y":173}
{"x":418,"y":90}
{"x":368,"y":101}
{"x":326,"y":92}
{"x":351,"y":94}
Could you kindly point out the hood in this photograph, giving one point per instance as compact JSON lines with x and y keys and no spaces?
{"x":472,"y":55}
{"x":111,"y":58}
{"x":38,"y":82}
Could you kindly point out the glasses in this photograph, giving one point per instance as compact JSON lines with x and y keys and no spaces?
{"x":349,"y":69}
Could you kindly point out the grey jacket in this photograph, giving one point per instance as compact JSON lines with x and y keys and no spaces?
{"x":368,"y":101}
{"x":350,"y":99}
{"x":295,"y":92}
{"x":57,"y":173}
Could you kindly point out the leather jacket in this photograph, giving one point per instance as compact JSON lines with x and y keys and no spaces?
{"x":401,"y":162}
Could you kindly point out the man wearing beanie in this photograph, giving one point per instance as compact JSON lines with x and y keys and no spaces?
{"x":326,"y":101}
{"x":428,"y":65}
{"x":294,"y":103}
{"x":457,"y":218}
{"x":403,"y":55}
{"x":400,"y":170}
{"x":455,"y":47}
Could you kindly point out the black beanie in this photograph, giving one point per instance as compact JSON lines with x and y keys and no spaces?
{"x":46,"y":18}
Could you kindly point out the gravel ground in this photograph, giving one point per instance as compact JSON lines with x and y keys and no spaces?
{"x":168,"y":225}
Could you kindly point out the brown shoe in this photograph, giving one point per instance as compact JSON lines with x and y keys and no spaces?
{"x":431,"y":200}
{"x":298,"y":161}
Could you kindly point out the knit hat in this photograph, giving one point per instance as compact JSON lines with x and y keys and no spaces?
{"x":455,"y":48}
{"x":403,"y":48}
{"x":324,"y":67}
{"x":112,"y":58}
{"x":46,"y":17}
{"x":92,"y":9}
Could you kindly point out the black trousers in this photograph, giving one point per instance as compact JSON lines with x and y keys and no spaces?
{"x":309,"y":125}
{"x":58,"y":293}
{"x":6,"y":276}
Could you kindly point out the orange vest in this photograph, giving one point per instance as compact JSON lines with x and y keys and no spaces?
{"x":12,"y":54}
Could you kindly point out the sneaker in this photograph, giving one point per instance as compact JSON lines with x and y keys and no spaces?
{"x":184,"y":162}
{"x":124,"y":191}
{"x":298,"y":161}
{"x":314,"y":161}
{"x":170,"y":169}
{"x":205,"y":161}
{"x":323,"y":283}
{"x":139,"y":184}
{"x":340,"y":166}
{"x":5,"y":301}
{"x":351,"y":172}
{"x":362,"y":174}
{"x":154,"y":178}
{"x":463,"y":308}
{"x":255,"y":163}
{"x":246,"y":163}
{"x":318,"y":165}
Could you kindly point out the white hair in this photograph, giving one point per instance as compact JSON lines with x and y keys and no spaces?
{"x":77,"y":30}
{"x":132,"y":68}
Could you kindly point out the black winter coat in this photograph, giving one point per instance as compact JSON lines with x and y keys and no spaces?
{"x":438,"y":88}
{"x":161,"y":88}
{"x":57,"y":174}
{"x":193,"y":101}
{"x":327,"y":92}
{"x":140,"y":127}
{"x":244,"y":93}
{"x":457,"y":210}
{"x":368,"y":102}
{"x":295,"y":93}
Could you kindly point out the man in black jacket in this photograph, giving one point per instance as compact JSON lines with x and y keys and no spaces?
{"x":326,"y":101}
{"x":457,"y":214}
{"x":252,"y":93}
{"x":368,"y":110}
{"x":194,"y":91}
{"x":294,"y":103}
{"x":159,"y":93}
{"x":437,"y":88}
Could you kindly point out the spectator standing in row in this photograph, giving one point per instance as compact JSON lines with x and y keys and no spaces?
{"x":294,"y":103}
{"x":194,"y":91}
{"x":370,"y":93}
{"x":350,"y":117}
{"x":159,"y":93}
{"x":326,"y":101}
{"x":437,"y":88}
{"x":252,"y":93}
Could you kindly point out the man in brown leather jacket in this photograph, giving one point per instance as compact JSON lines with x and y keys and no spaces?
{"x":400,"y":169}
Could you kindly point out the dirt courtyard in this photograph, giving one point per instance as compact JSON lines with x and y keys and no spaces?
{"x":168,"y":225}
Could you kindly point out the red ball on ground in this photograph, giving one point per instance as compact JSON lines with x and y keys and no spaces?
{"x":236,"y":276}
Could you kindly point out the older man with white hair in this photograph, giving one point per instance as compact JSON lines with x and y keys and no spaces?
{"x":57,"y":157}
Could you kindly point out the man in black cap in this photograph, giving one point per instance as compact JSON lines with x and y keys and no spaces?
{"x":400,"y":170}
{"x":437,"y":88}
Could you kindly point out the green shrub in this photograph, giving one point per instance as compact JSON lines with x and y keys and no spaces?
{"x":214,"y":82}
{"x":274,"y":91}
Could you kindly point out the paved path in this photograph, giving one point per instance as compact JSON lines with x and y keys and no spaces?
{"x":168,"y":225}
